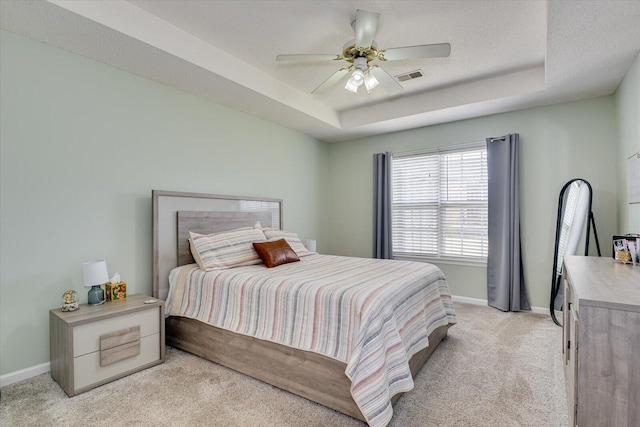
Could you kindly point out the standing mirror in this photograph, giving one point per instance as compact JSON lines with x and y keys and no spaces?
{"x":573,"y":226}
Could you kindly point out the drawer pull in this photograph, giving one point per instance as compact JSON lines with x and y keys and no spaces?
{"x":119,"y":345}
{"x":120,"y":337}
{"x":122,"y":352}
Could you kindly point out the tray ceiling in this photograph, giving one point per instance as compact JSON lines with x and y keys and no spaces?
{"x":504,"y":55}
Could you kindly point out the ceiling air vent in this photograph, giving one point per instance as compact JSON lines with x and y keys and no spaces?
{"x":410,"y":76}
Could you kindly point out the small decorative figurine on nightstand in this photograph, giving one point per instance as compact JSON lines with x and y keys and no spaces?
{"x":69,"y":301}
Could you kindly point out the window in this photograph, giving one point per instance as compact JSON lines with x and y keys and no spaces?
{"x":440,"y":205}
{"x":263,"y":206}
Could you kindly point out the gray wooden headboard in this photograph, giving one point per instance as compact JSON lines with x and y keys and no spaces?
{"x":212,"y":222}
{"x":203,"y":214}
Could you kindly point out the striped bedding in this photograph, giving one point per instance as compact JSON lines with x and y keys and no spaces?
{"x":371,"y":314}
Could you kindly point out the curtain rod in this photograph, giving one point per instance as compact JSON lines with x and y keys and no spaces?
{"x":440,"y":148}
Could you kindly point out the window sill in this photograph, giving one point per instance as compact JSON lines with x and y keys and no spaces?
{"x":449,"y":260}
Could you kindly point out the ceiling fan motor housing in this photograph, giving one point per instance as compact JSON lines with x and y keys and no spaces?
{"x":350,"y":51}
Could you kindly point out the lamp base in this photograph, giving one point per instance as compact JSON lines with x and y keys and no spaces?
{"x":96,"y":295}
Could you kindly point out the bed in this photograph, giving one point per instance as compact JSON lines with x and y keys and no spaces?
{"x":335,"y":376}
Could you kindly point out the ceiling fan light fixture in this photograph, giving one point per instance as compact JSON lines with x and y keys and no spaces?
{"x":351,"y":86}
{"x":358,"y":76}
{"x":355,"y":81}
{"x":370,"y":81}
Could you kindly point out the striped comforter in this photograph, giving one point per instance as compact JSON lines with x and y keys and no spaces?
{"x":371,"y":314}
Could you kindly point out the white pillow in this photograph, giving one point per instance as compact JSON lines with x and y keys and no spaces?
{"x":226,"y":249}
{"x":292,"y":239}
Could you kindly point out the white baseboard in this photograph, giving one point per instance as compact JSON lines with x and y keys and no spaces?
{"x":478,"y":301}
{"x":24,"y":374}
{"x":540,"y":310}
{"x":467,"y":300}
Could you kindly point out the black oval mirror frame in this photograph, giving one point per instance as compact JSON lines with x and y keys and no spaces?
{"x":574,"y":209}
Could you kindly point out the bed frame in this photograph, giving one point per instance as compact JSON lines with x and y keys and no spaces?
{"x":311,"y":375}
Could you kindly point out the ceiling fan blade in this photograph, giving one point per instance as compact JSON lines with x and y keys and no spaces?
{"x":440,"y":50}
{"x":335,"y":78}
{"x":388,"y":83}
{"x":366,"y":25}
{"x":308,"y":57}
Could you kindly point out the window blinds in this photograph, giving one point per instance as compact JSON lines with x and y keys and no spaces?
{"x":263,"y":206}
{"x":440,"y":204}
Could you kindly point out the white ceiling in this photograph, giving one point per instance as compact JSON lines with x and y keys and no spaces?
{"x":505,"y":55}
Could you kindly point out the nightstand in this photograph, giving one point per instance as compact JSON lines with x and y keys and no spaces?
{"x":98,"y":344}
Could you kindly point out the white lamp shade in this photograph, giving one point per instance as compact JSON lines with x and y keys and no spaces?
{"x":95,"y":272}
{"x":311,"y":245}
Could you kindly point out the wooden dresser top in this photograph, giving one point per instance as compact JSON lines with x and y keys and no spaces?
{"x":602,"y":282}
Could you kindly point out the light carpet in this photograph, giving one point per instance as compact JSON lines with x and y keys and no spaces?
{"x":494,"y":369}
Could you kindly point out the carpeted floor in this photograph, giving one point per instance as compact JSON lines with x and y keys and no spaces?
{"x":494,"y":369}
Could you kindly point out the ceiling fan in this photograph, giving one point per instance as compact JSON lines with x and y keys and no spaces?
{"x":361,"y":51}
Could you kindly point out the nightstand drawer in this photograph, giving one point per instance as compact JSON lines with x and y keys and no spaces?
{"x":86,"y":338}
{"x":119,"y":345}
{"x":87,"y":369}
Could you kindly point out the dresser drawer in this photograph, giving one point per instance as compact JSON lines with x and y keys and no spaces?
{"x":86,"y":338}
{"x":88,"y":369}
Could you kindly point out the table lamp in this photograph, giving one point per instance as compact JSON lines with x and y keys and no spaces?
{"x":95,"y":275}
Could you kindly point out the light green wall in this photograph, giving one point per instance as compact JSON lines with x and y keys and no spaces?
{"x":82,"y":146}
{"x":628,"y":126}
{"x":557,"y":143}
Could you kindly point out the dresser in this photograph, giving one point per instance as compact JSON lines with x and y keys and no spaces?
{"x":601,"y":342}
{"x":97,"y":344}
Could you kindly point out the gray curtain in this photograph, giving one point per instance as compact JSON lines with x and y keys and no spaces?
{"x":505,"y":276}
{"x":382,"y":204}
